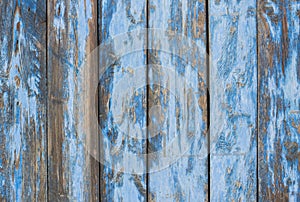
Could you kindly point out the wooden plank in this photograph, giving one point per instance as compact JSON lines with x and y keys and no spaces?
{"x":279,"y":100}
{"x":233,"y":100}
{"x":177,"y":108}
{"x":122,"y":103}
{"x":23,"y":149}
{"x":72,"y":34}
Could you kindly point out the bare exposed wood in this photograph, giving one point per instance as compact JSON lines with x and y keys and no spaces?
{"x":23,"y":97}
{"x":279,"y":100}
{"x":72,"y":35}
{"x":96,"y":107}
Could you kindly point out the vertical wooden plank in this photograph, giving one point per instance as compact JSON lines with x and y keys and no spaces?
{"x":88,"y":112}
{"x":233,"y":90}
{"x":72,"y":34}
{"x":23,"y":149}
{"x":279,"y":100}
{"x":177,"y":128}
{"x":122,"y":99}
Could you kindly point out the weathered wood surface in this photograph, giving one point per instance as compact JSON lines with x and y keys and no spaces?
{"x":279,"y":100}
{"x":233,"y":97}
{"x":152,"y":84}
{"x":73,"y":175}
{"x":122,"y":103}
{"x":177,"y":129}
{"x":23,"y":149}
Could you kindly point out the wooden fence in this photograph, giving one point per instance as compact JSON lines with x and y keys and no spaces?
{"x":149,"y":100}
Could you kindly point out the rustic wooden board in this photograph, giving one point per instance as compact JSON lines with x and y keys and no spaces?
{"x":122,"y":104}
{"x":233,"y":100}
{"x":279,"y":100}
{"x":73,"y":175}
{"x":177,"y":108}
{"x":23,"y":148}
{"x":149,"y":91}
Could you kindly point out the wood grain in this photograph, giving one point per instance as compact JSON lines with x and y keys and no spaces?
{"x":177,"y":129}
{"x":94,"y":106}
{"x":233,"y":100}
{"x":72,"y":35}
{"x":23,"y":149}
{"x":122,"y":104}
{"x":279,"y":100}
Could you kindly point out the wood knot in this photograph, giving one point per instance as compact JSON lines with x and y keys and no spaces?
{"x":18,"y":26}
{"x":17,"y":80}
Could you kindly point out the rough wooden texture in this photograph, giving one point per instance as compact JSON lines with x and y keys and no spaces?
{"x":149,"y":91}
{"x":177,"y":132}
{"x":23,"y":151}
{"x":122,"y":105}
{"x":279,"y":100}
{"x":233,"y":90}
{"x":72,"y":34}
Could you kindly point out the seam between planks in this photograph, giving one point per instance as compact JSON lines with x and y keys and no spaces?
{"x":47,"y":104}
{"x":99,"y":41}
{"x":257,"y":104}
{"x":208,"y":95}
{"x":147,"y":100}
{"x":97,"y":107}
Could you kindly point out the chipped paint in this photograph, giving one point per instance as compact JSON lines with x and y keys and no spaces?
{"x":122,"y":108}
{"x":183,"y":103}
{"x":68,"y":46}
{"x":24,"y":109}
{"x":278,"y":45}
{"x":30,"y":94}
{"x":233,"y":100}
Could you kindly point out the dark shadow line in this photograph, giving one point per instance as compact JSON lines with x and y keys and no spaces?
{"x":147,"y":100}
{"x":47,"y":104}
{"x":99,"y":38}
{"x":257,"y":104}
{"x":208,"y":95}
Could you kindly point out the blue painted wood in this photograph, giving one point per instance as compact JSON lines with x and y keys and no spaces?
{"x":233,"y":100}
{"x":164,"y":100}
{"x":72,"y":33}
{"x":122,"y":99}
{"x":177,"y":106}
{"x":23,"y":149}
{"x":279,"y":100}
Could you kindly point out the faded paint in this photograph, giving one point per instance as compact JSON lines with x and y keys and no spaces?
{"x":233,"y":100}
{"x":23,"y":97}
{"x":177,"y":80}
{"x":70,"y":40}
{"x":122,"y":108}
{"x":74,"y":174}
{"x":279,"y":100}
